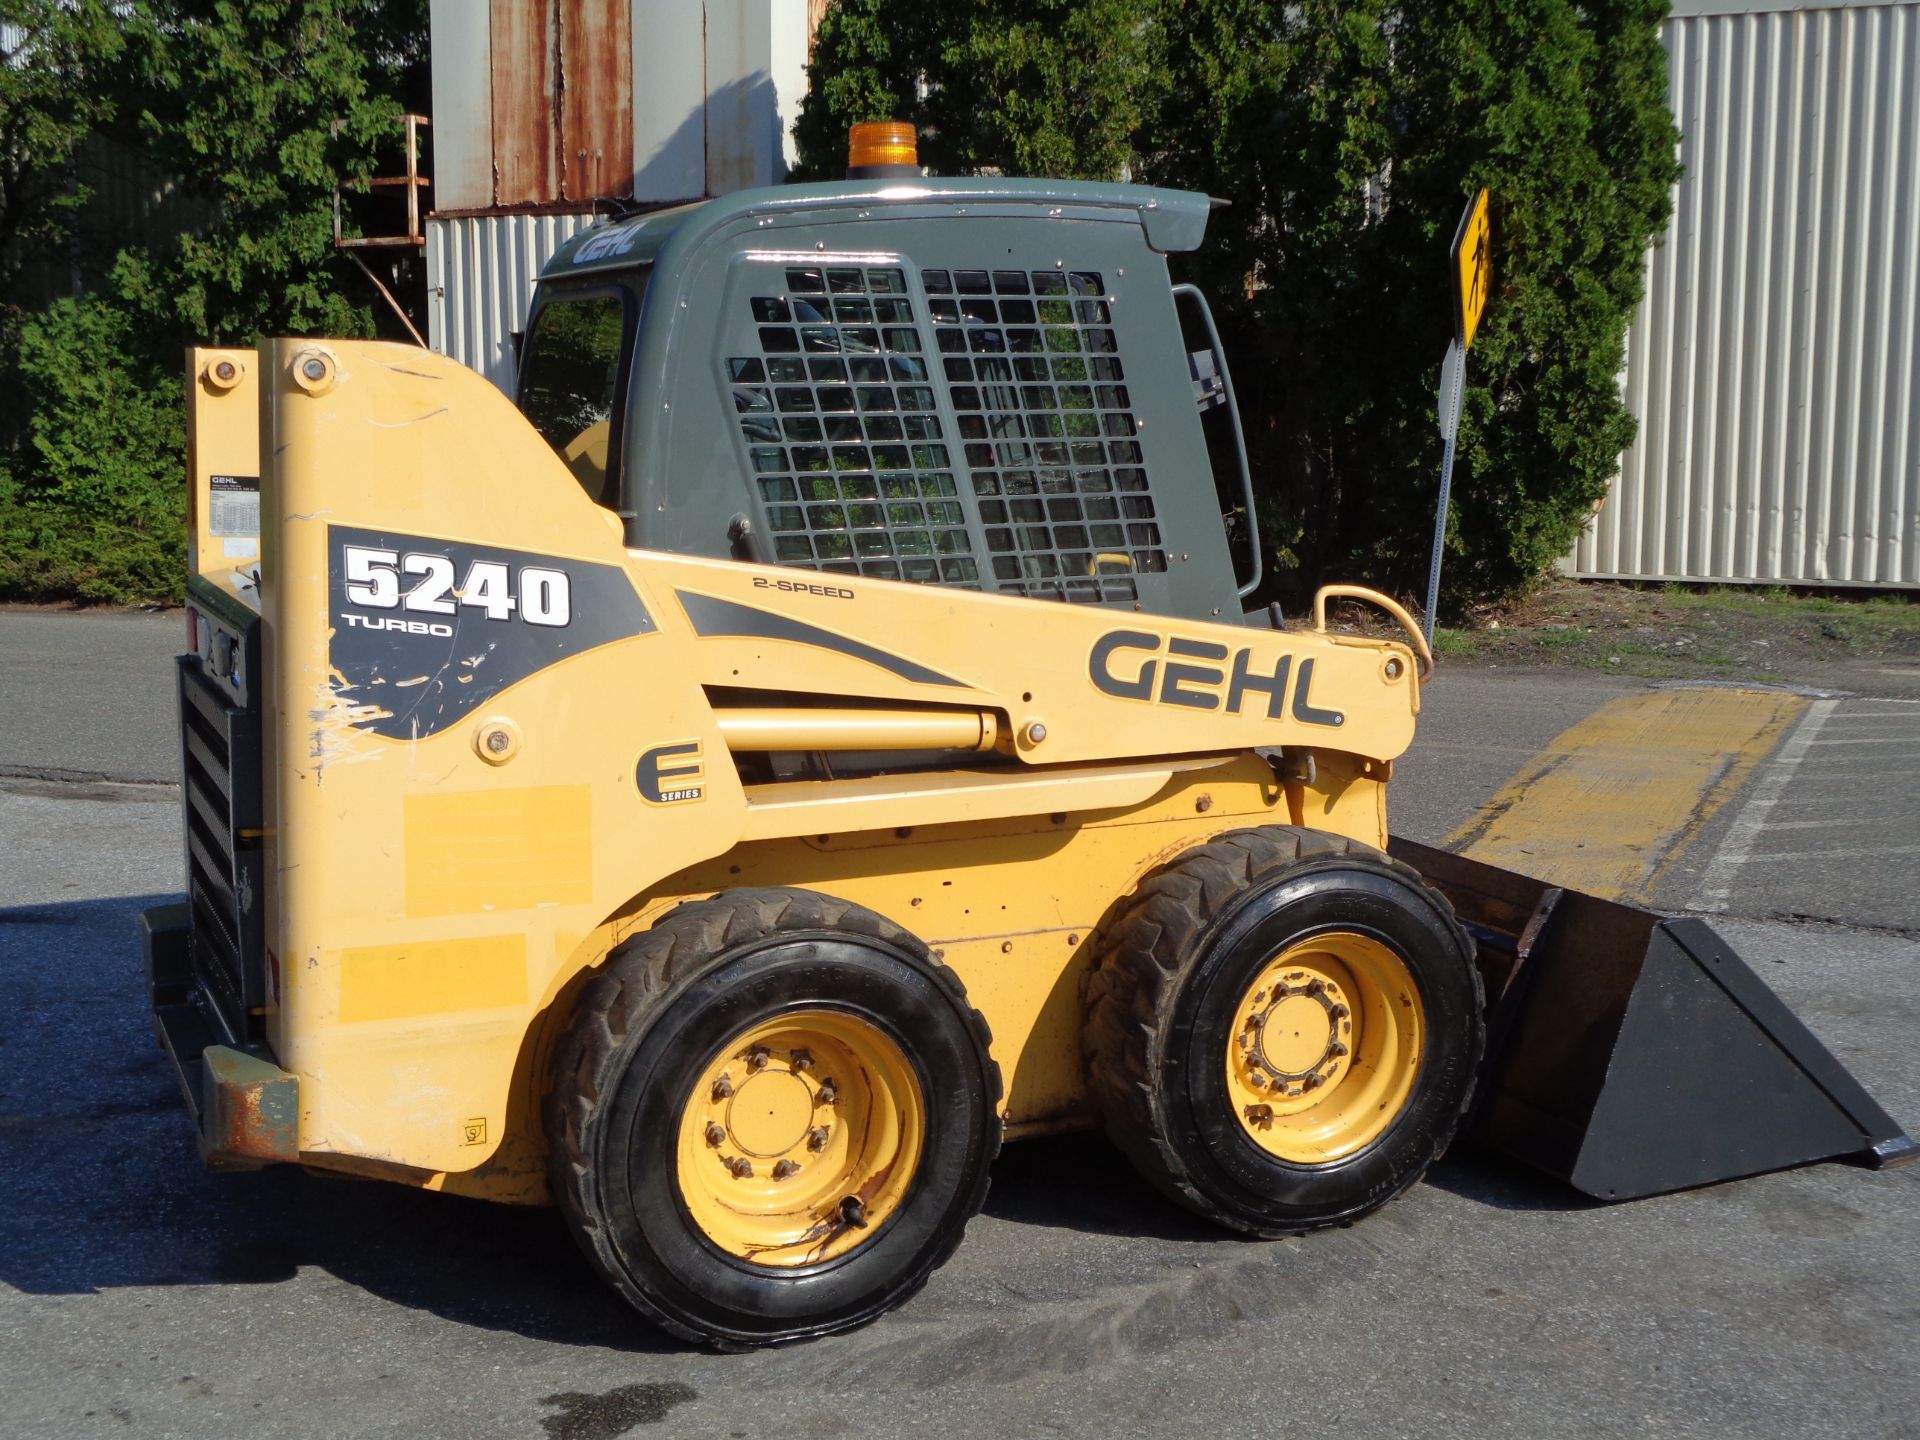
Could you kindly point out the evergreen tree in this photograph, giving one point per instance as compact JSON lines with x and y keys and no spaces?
{"x":1347,"y":134}
{"x":260,"y":109}
{"x":54,"y":91}
{"x":265,"y":108}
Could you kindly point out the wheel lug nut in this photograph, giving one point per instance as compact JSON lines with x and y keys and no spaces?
{"x":1339,"y":1012}
{"x":801,"y":1062}
{"x":723,"y":1088}
{"x":741,"y":1167}
{"x":756,"y":1060}
{"x":715,"y":1135}
{"x":817,"y":1137}
{"x":785,"y":1168}
{"x":1336,"y":1049}
{"x":1316,"y":987}
{"x":1312,"y":1082}
{"x":826,"y":1094}
{"x":1257,"y":1080}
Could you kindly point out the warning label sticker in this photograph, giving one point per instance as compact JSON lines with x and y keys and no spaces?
{"x":233,"y":505}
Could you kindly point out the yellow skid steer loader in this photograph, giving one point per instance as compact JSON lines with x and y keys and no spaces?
{"x":812,"y":734}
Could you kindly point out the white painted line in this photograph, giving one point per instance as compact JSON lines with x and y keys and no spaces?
{"x":1835,"y":854}
{"x":1871,"y":740}
{"x":1717,"y":884}
{"x":1813,"y":824}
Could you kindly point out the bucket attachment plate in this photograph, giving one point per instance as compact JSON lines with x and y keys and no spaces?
{"x":1631,"y":1055}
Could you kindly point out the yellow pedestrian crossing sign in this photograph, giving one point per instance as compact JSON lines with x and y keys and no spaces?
{"x":1472,"y":268}
{"x":1472,"y":287}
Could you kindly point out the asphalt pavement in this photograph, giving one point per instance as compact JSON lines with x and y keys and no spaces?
{"x":88,"y":695}
{"x":140,"y":1295}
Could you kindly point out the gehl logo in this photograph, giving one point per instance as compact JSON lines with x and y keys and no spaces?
{"x":1214,"y":685}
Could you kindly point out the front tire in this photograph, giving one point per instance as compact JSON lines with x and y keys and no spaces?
{"x":772,"y":1117}
{"x":1283,"y":1029}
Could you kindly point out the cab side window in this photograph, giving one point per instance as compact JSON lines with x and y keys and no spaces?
{"x":570,"y":384}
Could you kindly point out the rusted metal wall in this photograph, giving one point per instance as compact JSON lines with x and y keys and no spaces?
{"x":523,"y":74}
{"x":560,"y":74}
{"x":670,"y":101}
{"x":542,"y":106}
{"x":1772,"y":365}
{"x":595,"y":44}
{"x":550,"y":104}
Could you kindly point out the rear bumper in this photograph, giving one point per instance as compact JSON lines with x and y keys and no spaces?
{"x":246,"y":1110}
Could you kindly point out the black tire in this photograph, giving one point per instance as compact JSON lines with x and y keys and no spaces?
{"x":666,"y":1002}
{"x":1169,"y":970}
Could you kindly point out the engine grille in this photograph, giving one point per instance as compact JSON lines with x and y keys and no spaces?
{"x":220,"y":793}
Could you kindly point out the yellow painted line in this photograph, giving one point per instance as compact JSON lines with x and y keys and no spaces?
{"x":1616,"y":799}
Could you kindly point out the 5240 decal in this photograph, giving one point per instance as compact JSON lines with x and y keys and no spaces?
{"x":423,"y":584}
{"x":423,"y":630}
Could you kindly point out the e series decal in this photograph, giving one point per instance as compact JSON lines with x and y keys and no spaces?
{"x":425,"y":630}
{"x":669,"y":774}
{"x":1202,"y":687}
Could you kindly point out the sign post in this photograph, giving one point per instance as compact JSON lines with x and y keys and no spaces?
{"x":1472,"y":282}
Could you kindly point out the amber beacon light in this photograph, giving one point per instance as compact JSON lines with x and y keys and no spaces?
{"x":882,"y":149}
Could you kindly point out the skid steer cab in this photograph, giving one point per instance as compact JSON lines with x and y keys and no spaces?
{"x":812,"y":735}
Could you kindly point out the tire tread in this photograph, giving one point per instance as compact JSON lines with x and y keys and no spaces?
{"x":1135,"y":981}
{"x":639,"y":977}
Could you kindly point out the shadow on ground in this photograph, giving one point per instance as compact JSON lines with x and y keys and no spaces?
{"x":97,"y":1155}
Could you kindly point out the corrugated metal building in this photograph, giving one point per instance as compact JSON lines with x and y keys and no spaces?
{"x":542,"y":106}
{"x":1772,"y":364}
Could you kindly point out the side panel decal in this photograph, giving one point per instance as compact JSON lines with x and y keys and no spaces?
{"x":427,"y":630}
{"x":713,"y":617}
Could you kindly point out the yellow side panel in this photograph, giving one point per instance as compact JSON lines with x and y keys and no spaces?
{"x":432,"y":977}
{"x":223,"y":460}
{"x":1011,"y":905}
{"x":481,"y":850}
{"x":384,"y":843}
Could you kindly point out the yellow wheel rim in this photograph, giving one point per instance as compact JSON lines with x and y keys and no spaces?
{"x":800,"y":1139}
{"x":1325,"y":1045}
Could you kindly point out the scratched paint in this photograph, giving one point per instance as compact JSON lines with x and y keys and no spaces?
{"x":1614,"y":800}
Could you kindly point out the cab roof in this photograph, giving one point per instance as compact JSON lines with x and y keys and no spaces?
{"x":1173,"y":220}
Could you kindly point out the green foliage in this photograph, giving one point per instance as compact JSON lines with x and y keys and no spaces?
{"x":264,"y":108}
{"x":1036,"y":87}
{"x":260,"y":108}
{"x":54,"y":90}
{"x":104,"y":425}
{"x":1347,"y":134}
{"x":98,"y":510}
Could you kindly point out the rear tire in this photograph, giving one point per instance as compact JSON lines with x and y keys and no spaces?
{"x":676,"y":1172}
{"x":1283,"y":1029}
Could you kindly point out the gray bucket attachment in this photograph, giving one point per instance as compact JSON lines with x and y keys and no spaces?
{"x":1631,"y":1055}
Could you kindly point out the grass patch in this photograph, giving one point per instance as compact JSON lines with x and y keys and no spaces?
{"x":1681,"y":632}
